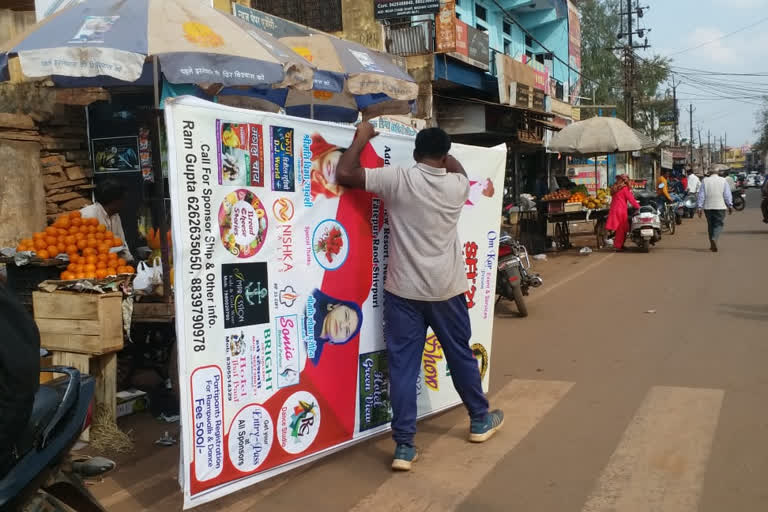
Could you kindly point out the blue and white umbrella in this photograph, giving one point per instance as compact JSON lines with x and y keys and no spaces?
{"x":93,"y":40}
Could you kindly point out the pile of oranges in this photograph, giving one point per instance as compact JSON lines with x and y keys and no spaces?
{"x":85,"y":241}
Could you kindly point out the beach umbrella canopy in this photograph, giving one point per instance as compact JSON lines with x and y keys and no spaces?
{"x":95,"y":40}
{"x":349,"y":77}
{"x":598,"y":136}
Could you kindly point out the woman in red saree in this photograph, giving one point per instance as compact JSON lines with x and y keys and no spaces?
{"x":618,"y":221}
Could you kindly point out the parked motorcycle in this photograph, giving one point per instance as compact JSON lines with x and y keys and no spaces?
{"x":645,"y":228}
{"x":690,"y":203}
{"x":514,"y":277}
{"x":739,"y":200}
{"x":43,"y":478}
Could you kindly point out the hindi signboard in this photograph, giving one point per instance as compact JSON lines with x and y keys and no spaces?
{"x":384,"y":9}
{"x":262,"y":269}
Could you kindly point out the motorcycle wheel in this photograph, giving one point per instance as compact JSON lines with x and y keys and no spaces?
{"x":645,"y":245}
{"x":739,"y":203}
{"x":678,"y":219}
{"x":517,"y":294}
{"x":671,"y":224}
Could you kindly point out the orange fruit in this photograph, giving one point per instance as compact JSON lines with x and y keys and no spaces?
{"x":71,"y":249}
{"x":75,"y":214}
{"x":51,"y":240}
{"x":70,"y":240}
{"x":99,"y":236}
{"x":53,"y":251}
{"x":43,"y":254}
{"x":75,"y":258}
{"x":89,"y":267}
{"x":102,"y":257}
{"x":121,"y":262}
{"x":103,"y":248}
{"x":129,"y":269}
{"x":111,"y":271}
{"x":67,"y":276}
{"x":77,"y":222}
{"x":80,"y":275}
{"x":101,"y":228}
{"x":112,"y":256}
{"x":73,"y":230}
{"x":92,"y":243}
{"x":63,"y":232}
{"x":116,"y":242}
{"x":21,"y":248}
{"x":121,"y":269}
{"x":92,"y":229}
{"x":101,"y":265}
{"x":51,"y":231}
{"x":40,"y":244}
{"x":72,"y":267}
{"x":101,"y":273}
{"x":109,"y":234}
{"x":64,"y":221}
{"x":82,"y":244}
{"x":91,"y":259}
{"x":61,"y":242}
{"x":84,"y":229}
{"x":89,"y":251}
{"x":38,"y":235}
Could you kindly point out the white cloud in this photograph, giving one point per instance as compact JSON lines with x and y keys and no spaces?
{"x":716,"y":50}
{"x":741,"y":4}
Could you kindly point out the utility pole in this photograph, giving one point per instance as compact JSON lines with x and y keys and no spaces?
{"x":709,"y":151}
{"x":690,"y":141}
{"x":628,"y":51}
{"x":674,"y":106}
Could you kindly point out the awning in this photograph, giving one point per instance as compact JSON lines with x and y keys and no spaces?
{"x":549,"y":125}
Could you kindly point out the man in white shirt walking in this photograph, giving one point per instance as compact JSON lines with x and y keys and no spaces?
{"x":714,"y":199}
{"x":693,"y":182}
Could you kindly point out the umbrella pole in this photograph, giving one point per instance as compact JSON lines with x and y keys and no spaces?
{"x":311,"y":105}
{"x":158,"y":191}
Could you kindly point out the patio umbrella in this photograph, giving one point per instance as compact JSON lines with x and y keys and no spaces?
{"x":598,"y":136}
{"x":96,"y":40}
{"x":349,"y":77}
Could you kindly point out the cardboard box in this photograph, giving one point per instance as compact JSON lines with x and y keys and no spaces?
{"x":131,"y":401}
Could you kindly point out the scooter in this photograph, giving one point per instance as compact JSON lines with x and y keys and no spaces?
{"x":645,"y":229}
{"x":514,"y":277}
{"x":43,"y":478}
{"x":739,"y":200}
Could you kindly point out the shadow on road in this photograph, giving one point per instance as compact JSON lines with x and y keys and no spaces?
{"x":749,"y":232}
{"x":746,"y":311}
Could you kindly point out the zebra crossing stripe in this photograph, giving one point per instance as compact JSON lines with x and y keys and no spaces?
{"x":661,"y":459}
{"x":435,"y":484}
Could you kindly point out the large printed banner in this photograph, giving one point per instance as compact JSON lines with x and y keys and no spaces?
{"x":280,"y":287}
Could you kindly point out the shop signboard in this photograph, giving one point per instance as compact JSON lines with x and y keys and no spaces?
{"x":561,"y":108}
{"x":538,"y":100}
{"x":540,"y":73}
{"x":472,"y":46}
{"x":510,"y":71}
{"x":666,"y":159}
{"x":585,"y":172}
{"x":522,"y":94}
{"x":280,"y":288}
{"x":277,"y":27}
{"x":574,"y":49}
{"x":445,"y":27}
{"x":385,"y":9}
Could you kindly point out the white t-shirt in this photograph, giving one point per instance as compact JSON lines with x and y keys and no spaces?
{"x":423,"y":205}
{"x":693,"y":184}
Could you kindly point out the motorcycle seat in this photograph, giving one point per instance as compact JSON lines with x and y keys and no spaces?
{"x":44,"y":408}
{"x":647,"y":209}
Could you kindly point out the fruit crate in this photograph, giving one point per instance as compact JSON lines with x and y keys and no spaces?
{"x":83,"y":323}
{"x":23,"y":280}
{"x":573,"y":207}
{"x":556,"y":206}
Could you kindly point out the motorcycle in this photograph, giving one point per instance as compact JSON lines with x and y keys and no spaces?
{"x":645,"y":228}
{"x":690,"y":203}
{"x":514,"y":277}
{"x":43,"y":478}
{"x":739,"y":200}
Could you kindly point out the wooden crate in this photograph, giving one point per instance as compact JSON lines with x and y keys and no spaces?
{"x":79,"y":322}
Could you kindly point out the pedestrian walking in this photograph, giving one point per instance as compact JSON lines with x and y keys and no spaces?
{"x":618,"y":219}
{"x":714,"y":199}
{"x":425,"y":283}
{"x":693,"y":182}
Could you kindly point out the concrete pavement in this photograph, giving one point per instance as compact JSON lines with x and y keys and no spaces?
{"x":609,"y":407}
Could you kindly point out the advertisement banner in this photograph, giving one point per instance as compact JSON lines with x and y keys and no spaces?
{"x":280,"y":291}
{"x":574,"y":50}
{"x":472,"y":46}
{"x":445,"y":27}
{"x":384,"y":9}
{"x":540,"y":73}
{"x":44,"y":8}
{"x":666,"y":159}
{"x":512,"y":71}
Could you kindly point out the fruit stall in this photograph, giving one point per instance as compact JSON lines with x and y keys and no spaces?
{"x":564,"y":207}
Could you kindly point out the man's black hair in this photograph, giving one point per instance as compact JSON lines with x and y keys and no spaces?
{"x":109,"y":191}
{"x":432,"y":143}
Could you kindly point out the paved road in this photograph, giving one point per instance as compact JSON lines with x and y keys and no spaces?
{"x":639,"y":385}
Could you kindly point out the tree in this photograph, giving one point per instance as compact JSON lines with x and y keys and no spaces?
{"x":601,"y":22}
{"x":761,"y":145}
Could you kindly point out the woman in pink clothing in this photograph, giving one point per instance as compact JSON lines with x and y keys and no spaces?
{"x":621,"y":194}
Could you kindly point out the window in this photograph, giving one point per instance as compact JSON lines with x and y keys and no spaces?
{"x":481,"y":12}
{"x":529,"y":54}
{"x":458,"y":15}
{"x":528,"y":41}
{"x":508,"y":47}
{"x":506,"y":28}
{"x":480,"y":26}
{"x":540,"y":58}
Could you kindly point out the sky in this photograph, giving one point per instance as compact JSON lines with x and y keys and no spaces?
{"x":679,"y":25}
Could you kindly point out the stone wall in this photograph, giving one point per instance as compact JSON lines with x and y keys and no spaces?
{"x":22,"y":200}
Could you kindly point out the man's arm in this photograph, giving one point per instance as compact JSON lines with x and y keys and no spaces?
{"x":700,"y":202}
{"x":728,"y":196}
{"x":349,"y":173}
{"x":454,"y":166}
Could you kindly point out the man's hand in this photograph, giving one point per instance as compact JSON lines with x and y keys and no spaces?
{"x":730,"y":210}
{"x":701,"y":212}
{"x":454,"y":166}
{"x":365,"y":131}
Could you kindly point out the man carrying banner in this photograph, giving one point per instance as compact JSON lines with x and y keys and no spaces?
{"x":425,"y":282}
